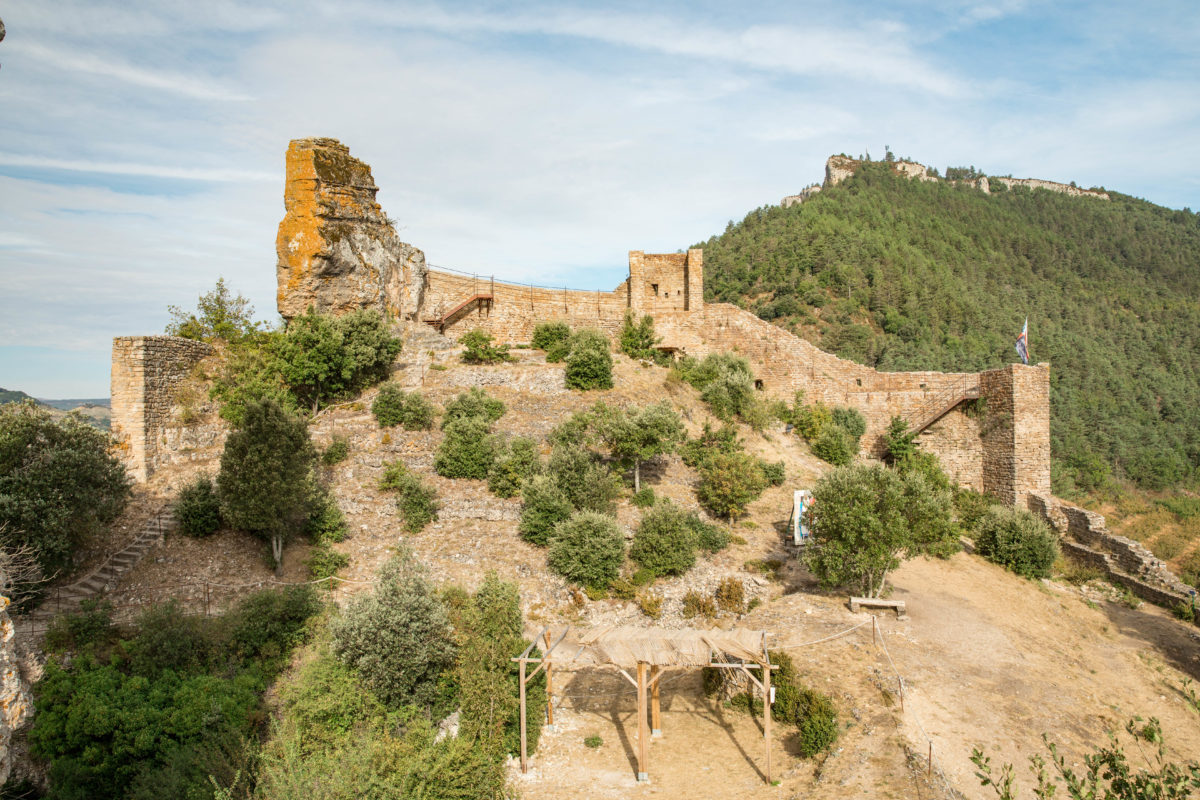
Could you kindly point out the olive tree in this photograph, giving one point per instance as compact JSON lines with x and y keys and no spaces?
{"x":637,"y":435}
{"x":868,"y":518}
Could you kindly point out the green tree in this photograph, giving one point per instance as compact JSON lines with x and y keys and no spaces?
{"x":59,"y":483}
{"x":397,"y":637}
{"x":637,"y":435}
{"x":198,"y":510}
{"x":252,"y":372}
{"x":219,"y":314}
{"x":637,"y":338}
{"x":265,"y":471}
{"x":516,"y":460}
{"x":868,"y":518}
{"x":587,"y":482}
{"x":729,"y":482}
{"x":589,"y":363}
{"x":473,"y":403}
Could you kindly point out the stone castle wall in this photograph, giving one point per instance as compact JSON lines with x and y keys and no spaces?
{"x":1086,"y":539}
{"x":147,"y":373}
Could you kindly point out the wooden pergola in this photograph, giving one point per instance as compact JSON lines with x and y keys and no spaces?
{"x":649,"y":653}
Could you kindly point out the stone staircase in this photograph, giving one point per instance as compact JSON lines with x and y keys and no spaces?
{"x":67,"y":599}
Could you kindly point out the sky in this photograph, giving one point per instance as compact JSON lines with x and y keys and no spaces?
{"x":142,"y":143}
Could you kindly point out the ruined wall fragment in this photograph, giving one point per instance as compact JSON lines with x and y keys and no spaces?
{"x":337,"y":250}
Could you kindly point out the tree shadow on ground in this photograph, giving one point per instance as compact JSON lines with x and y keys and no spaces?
{"x":1176,"y":641}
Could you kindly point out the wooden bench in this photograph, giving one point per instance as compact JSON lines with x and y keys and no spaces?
{"x":857,"y":604}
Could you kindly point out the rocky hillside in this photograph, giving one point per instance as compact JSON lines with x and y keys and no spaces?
{"x":907,"y":274}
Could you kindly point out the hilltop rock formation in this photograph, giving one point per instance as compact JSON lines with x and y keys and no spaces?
{"x":337,"y":250}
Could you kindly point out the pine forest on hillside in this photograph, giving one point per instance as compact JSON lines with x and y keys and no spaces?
{"x":902,"y":274}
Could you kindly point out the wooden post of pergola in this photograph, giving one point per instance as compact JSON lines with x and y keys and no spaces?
{"x":543,"y":663}
{"x":650,"y":652}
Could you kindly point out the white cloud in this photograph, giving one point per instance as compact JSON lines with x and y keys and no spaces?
{"x":218,"y":174}
{"x":95,"y":65}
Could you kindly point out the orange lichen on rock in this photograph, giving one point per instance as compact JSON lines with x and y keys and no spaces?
{"x":337,"y":249}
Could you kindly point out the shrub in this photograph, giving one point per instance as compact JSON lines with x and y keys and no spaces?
{"x":728,"y":483}
{"x":397,"y":638}
{"x":473,"y":403}
{"x":337,"y":451}
{"x":394,"y":406}
{"x":558,"y":352}
{"x":264,"y":479}
{"x":92,"y":625}
{"x":650,"y":604}
{"x":725,"y":381}
{"x":589,"y":363}
{"x":593,"y":741}
{"x":898,"y":442}
{"x":812,"y":420}
{"x":544,"y":507}
{"x":970,"y":508}
{"x":478,"y":349}
{"x":835,"y":446}
{"x":1017,"y":540}
{"x":326,"y":522}
{"x":515,"y":461}
{"x":416,"y":502}
{"x":59,"y":482}
{"x":929,"y":466}
{"x":323,"y":357}
{"x":466,"y":451}
{"x":811,"y":712}
{"x":167,"y":638}
{"x":697,"y":452}
{"x":268,"y":624}
{"x":664,"y":543}
{"x":731,"y":595}
{"x":696,"y":604}
{"x":198,"y":510}
{"x":774,"y":473}
{"x":587,"y":549}
{"x":709,"y":538}
{"x":851,"y":421}
{"x":325,"y":704}
{"x":644,"y":498}
{"x":546,"y":334}
{"x":325,"y":562}
{"x":587,"y":483}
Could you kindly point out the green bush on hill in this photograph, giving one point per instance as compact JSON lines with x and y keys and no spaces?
{"x":198,"y":509}
{"x":394,"y":406}
{"x":473,"y":403}
{"x":589,"y":360}
{"x":587,"y":549}
{"x":1014,"y":538}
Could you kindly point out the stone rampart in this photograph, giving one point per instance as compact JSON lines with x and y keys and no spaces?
{"x":147,"y":373}
{"x":1124,"y":561}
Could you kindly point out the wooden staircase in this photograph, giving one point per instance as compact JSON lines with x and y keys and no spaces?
{"x":942,"y":403}
{"x":443,"y":319}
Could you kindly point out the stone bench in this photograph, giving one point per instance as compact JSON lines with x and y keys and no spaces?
{"x":858,"y":603}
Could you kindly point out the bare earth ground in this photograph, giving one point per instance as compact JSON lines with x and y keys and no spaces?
{"x":988,"y":658}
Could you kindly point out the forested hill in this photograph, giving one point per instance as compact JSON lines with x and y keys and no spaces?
{"x":902,"y":274}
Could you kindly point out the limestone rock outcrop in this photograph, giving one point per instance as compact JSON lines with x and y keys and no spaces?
{"x":337,"y":250}
{"x":16,"y":703}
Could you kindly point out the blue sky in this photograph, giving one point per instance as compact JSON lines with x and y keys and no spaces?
{"x":141,"y":143}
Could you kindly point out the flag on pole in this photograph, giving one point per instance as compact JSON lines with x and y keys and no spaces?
{"x":1023,"y":343}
